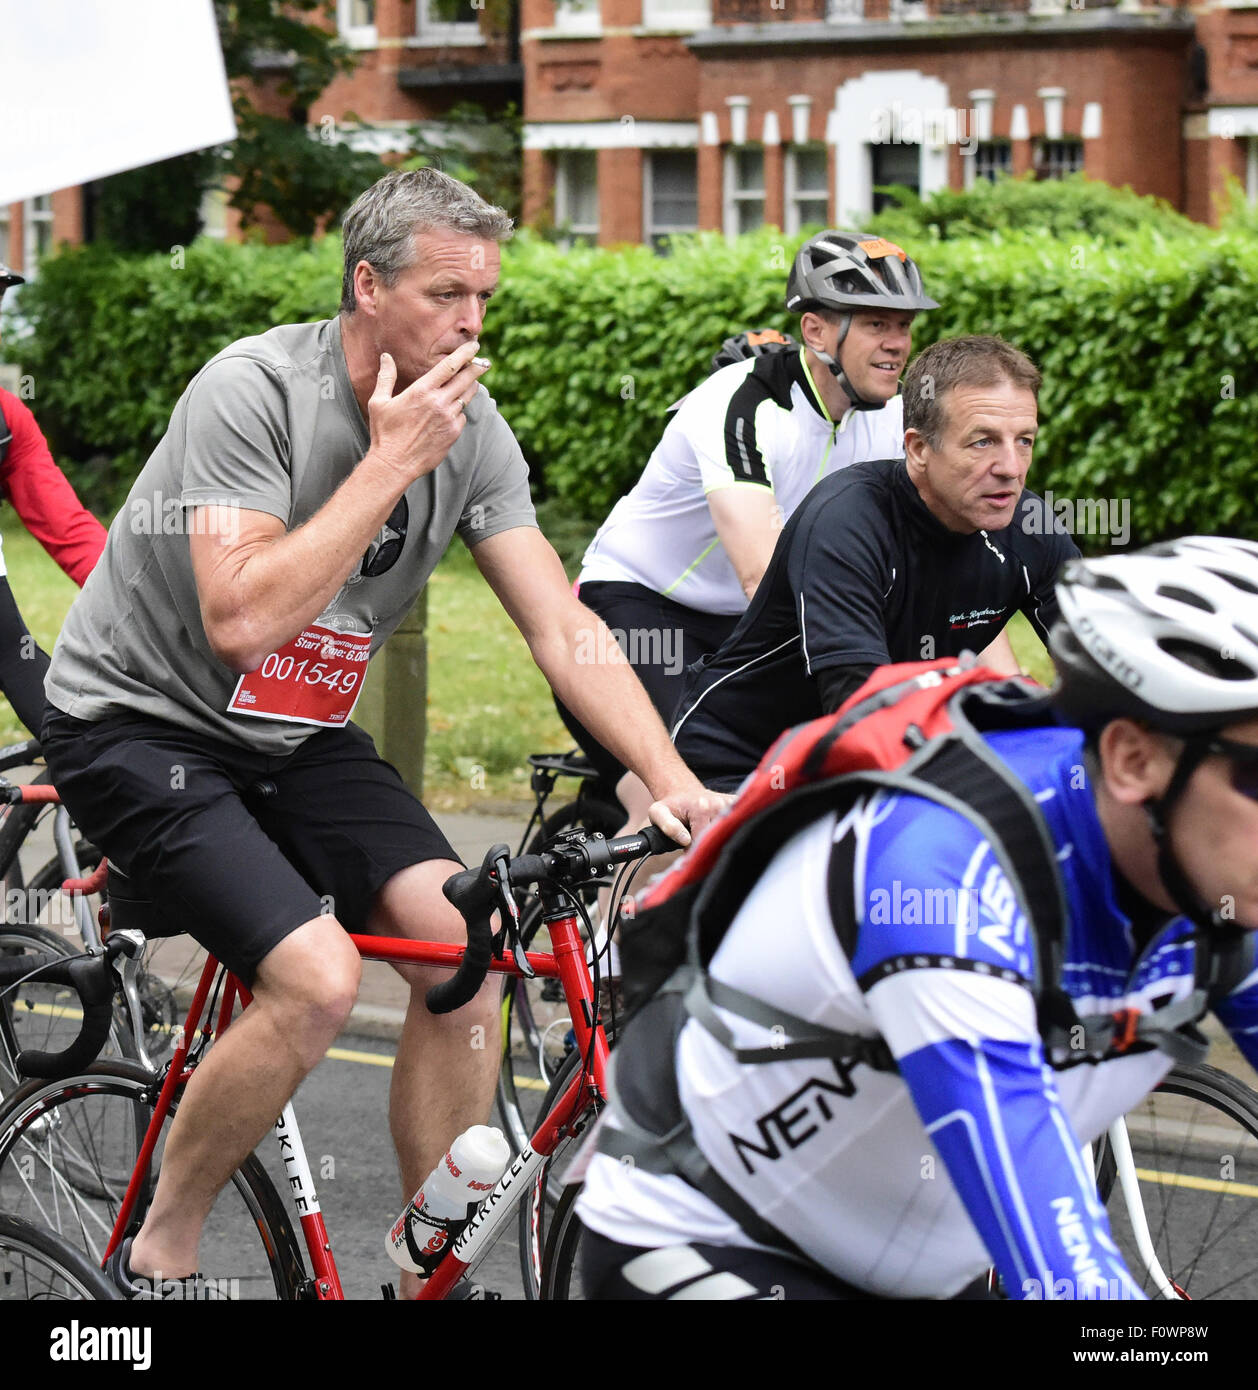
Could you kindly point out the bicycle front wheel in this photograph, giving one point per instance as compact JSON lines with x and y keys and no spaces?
{"x":67,"y":1151}
{"x":1195,"y":1145}
{"x":536,"y":1025}
{"x":540,"y":1207}
{"x":36,"y":1265}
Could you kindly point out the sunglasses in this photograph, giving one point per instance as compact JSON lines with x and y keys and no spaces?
{"x":382,"y":554}
{"x":1243,"y":759}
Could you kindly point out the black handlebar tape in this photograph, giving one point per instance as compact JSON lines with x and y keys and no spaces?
{"x":475,"y":895}
{"x":92,"y":979}
{"x":657,"y":841}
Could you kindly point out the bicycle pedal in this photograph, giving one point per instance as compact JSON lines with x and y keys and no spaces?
{"x":466,"y":1292}
{"x":388,"y":1293}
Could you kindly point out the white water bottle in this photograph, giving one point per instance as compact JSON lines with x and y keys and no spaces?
{"x":433,"y":1218}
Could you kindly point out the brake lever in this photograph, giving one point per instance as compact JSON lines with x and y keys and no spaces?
{"x":511,"y":916}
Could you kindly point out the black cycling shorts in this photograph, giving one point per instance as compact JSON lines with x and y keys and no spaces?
{"x":236,"y":847}
{"x":660,"y":638}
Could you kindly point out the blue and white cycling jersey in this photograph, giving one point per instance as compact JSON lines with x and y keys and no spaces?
{"x":911,"y":1184}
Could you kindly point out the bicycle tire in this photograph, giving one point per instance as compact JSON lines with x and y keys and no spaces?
{"x":1195,"y":1144}
{"x":97,"y":1119}
{"x":539,"y":1208}
{"x":159,"y":1014}
{"x":40,"y":1015}
{"x":561,"y":1275}
{"x":535,"y":1018}
{"x":36,"y":1265}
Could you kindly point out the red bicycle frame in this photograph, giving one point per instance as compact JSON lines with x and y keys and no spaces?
{"x":567,"y":963}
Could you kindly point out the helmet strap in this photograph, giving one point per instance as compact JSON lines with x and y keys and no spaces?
{"x":1158,"y":810}
{"x":836,"y":369}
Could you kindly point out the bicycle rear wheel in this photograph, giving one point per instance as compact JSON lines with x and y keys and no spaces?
{"x":53,"y":1133}
{"x":1195,"y":1145}
{"x":36,"y":1265}
{"x":37,"y":1014}
{"x":171,"y":964}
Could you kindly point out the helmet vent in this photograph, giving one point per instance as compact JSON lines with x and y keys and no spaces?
{"x":1208,"y":660}
{"x":1235,"y":581}
{"x":1172,"y":591}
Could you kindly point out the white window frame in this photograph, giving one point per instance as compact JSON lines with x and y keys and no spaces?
{"x":33,"y":217}
{"x":355,"y":35}
{"x":579,"y":16}
{"x":676,"y":16}
{"x":445,"y":31}
{"x":214,"y":205}
{"x":795,"y":195}
{"x":845,"y":11}
{"x":649,"y":230}
{"x":563,"y":198}
{"x":732,"y":196}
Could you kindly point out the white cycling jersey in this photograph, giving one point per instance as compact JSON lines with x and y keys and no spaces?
{"x":910,"y":1183}
{"x":758,"y":423}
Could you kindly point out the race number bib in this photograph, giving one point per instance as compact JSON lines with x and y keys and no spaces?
{"x":314,"y":679}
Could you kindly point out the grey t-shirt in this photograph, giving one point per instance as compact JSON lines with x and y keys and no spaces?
{"x":269,"y":425}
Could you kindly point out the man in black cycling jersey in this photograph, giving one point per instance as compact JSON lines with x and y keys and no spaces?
{"x":893,"y":560}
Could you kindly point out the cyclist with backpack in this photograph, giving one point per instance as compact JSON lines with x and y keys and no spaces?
{"x":901,"y":559}
{"x":674,"y":565}
{"x":47,"y":506}
{"x":942,"y":939}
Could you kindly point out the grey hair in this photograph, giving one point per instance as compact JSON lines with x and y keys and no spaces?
{"x":380,"y":227}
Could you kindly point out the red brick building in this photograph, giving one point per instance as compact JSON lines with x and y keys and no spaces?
{"x":649,"y":116}
{"x":644,"y":116}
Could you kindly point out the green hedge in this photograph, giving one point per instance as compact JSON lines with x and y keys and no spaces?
{"x":1147,"y":341}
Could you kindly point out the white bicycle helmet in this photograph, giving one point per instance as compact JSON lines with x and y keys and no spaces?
{"x":1167,"y":635}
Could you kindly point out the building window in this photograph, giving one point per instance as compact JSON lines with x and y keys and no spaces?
{"x":676,"y":14}
{"x":1054,"y":159}
{"x":356,"y":22}
{"x":744,"y":190}
{"x":36,"y":233}
{"x":900,"y":164}
{"x":671,"y":195}
{"x":992,"y":158}
{"x":578,"y":16}
{"x":447,"y":23}
{"x":576,"y":196}
{"x":807,"y":187}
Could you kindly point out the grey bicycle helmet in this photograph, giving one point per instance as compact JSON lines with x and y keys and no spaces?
{"x":1168,"y":635}
{"x":756,"y":342}
{"x":852,"y":272}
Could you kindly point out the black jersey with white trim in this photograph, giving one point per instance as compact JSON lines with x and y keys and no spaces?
{"x":759,"y":423}
{"x":862,"y":574}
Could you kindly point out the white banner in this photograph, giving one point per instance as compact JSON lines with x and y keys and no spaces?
{"x":92,"y":87}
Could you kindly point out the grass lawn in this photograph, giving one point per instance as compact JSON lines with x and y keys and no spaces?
{"x":488,"y":705}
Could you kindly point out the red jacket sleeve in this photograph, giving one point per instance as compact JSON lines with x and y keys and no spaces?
{"x":43,"y":498}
